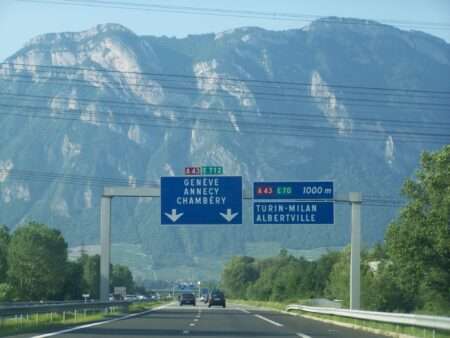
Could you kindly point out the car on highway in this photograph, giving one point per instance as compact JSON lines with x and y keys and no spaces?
{"x":187,"y":298}
{"x":216,"y":298}
{"x":204,"y":294}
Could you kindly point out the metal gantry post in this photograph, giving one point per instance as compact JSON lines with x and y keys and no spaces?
{"x":355,"y":260}
{"x":105,"y":246}
{"x":105,"y":228}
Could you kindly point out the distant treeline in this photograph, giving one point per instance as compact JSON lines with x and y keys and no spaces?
{"x":34,"y":266}
{"x":409,"y":272}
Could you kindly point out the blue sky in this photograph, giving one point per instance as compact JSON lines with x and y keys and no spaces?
{"x":20,"y":21}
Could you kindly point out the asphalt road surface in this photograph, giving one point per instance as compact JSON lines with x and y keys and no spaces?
{"x":216,"y":322}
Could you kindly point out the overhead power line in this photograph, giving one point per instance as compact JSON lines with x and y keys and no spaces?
{"x":248,"y":14}
{"x":281,"y":129}
{"x":268,"y":130}
{"x":34,"y":175}
{"x":257,"y":96}
{"x":162,"y":82}
{"x":83,"y":180}
{"x":259,"y":125}
{"x":248,"y":115}
{"x":275,"y":83}
{"x":253,"y":127}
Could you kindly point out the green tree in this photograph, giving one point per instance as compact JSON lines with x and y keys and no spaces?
{"x":418,"y":242}
{"x":337,"y":286}
{"x":74,"y":285}
{"x":37,"y":258}
{"x":237,"y":275}
{"x":5,"y":292}
{"x":381,"y":292}
{"x":4,"y":242}
{"x":91,"y":275}
{"x":321,"y":272}
{"x":122,"y":276}
{"x":262,"y":288}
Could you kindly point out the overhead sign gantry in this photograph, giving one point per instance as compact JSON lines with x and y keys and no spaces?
{"x":218,"y":200}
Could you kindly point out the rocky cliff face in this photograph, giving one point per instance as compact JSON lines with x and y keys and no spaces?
{"x":106,"y":103}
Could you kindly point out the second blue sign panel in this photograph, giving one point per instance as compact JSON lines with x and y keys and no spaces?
{"x":293,"y":212}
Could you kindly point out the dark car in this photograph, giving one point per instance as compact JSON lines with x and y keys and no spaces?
{"x":187,"y":298}
{"x":216,"y":298}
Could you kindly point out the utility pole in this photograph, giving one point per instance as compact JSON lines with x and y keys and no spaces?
{"x":355,"y":260}
{"x":105,"y":246}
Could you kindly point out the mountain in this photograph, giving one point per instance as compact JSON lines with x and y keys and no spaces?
{"x":343,"y":99}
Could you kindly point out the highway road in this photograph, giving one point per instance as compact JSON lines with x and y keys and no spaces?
{"x":201,"y":321}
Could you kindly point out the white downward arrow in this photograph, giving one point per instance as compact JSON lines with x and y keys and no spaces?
{"x":229,"y":216}
{"x":174,"y":216}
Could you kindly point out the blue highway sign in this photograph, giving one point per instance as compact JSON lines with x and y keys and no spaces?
{"x":277,"y":212}
{"x":314,"y":190}
{"x":201,"y":200}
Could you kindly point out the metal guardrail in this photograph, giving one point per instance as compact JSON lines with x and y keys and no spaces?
{"x":6,"y":304}
{"x":431,"y":322}
{"x":6,"y":311}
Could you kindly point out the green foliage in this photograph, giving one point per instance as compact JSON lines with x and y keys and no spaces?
{"x":121,"y":276}
{"x":74,"y":285}
{"x":413,"y":273}
{"x":37,"y":257}
{"x":34,"y":266}
{"x":418,"y":242}
{"x":237,"y":275}
{"x":321,"y":272}
{"x":5,"y":292}
{"x":4,"y":242}
{"x":279,"y":278}
{"x":337,"y":286}
{"x":91,"y":275}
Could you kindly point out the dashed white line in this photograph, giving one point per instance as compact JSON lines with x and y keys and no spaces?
{"x":269,"y":320}
{"x":195,"y":319}
{"x":301,"y":335}
{"x":245,"y":311}
{"x":99,"y":323}
{"x":192,"y":324}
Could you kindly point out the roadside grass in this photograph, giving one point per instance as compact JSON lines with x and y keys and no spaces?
{"x":140,"y":307}
{"x":388,"y":328}
{"x":40,"y":322}
{"x":260,"y":304}
{"x":382,"y":327}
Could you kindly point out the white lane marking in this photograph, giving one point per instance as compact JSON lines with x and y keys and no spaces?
{"x":99,"y":323}
{"x":195,"y":319}
{"x":269,"y":320}
{"x":301,"y":335}
{"x":245,"y":311}
{"x":185,"y":332}
{"x":192,"y":324}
